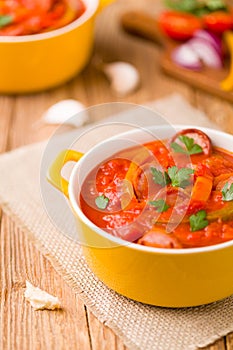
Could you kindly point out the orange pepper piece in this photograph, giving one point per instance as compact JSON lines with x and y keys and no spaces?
{"x":202,"y":189}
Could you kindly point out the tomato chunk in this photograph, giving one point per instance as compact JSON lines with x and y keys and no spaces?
{"x":218,"y":21}
{"x":178,"y":25}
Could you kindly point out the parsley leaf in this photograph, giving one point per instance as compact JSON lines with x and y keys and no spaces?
{"x":191,"y":147}
{"x":102,"y":201}
{"x":180,"y":177}
{"x":187,"y":141}
{"x":160,"y":205}
{"x":227,"y":192}
{"x":159,"y":177}
{"x":5,"y":20}
{"x":178,"y":148}
{"x":196,"y":149}
{"x":198,"y":221}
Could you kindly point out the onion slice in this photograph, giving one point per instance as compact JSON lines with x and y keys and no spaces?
{"x":185,"y":56}
{"x":211,"y":38}
{"x":206,"y":52}
{"x":203,"y":48}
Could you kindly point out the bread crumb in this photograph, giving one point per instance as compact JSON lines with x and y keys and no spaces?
{"x":39,"y":299}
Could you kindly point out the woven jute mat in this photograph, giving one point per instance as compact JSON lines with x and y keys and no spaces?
{"x":140,"y":326}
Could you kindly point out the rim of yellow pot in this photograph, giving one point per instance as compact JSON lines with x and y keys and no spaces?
{"x":120,"y":241}
{"x":91,"y":8}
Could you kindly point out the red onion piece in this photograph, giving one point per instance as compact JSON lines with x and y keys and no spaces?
{"x":206,"y":52}
{"x":212,"y":38}
{"x":185,"y":56}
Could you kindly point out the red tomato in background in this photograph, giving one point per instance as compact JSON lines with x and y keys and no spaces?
{"x":218,"y":21}
{"x":178,"y":25}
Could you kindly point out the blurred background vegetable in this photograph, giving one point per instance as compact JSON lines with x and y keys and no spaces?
{"x":187,"y":15}
{"x":178,"y":25}
{"x":197,"y":7}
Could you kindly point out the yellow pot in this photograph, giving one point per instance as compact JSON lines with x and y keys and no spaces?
{"x":163,"y":277}
{"x":40,"y":61}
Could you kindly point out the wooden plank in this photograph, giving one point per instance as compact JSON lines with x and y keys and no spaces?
{"x":6,"y":113}
{"x":102,"y":337}
{"x":218,"y":345}
{"x":207,"y":79}
{"x":21,"y":326}
{"x":27,"y":127}
{"x":229,"y":341}
{"x":119,"y":46}
{"x":217,"y":110}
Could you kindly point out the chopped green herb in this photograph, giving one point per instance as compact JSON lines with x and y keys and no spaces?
{"x":196,"y":149}
{"x":177,"y":148}
{"x":182,"y":5}
{"x":160,"y":205}
{"x":227,"y":192}
{"x":196,"y":7}
{"x":101,"y":201}
{"x":214,"y":5}
{"x":191,"y":147}
{"x":180,"y":177}
{"x":5,"y":20}
{"x":159,"y":177}
{"x":198,"y":221}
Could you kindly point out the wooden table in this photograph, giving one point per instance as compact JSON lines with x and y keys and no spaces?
{"x":75,"y":327}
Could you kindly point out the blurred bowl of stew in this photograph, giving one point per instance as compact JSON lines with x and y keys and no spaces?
{"x":42,"y":60}
{"x":155,"y":218}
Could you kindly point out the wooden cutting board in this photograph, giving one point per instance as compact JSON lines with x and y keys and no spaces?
{"x":207,"y":79}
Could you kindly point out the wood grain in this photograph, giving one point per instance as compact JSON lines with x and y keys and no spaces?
{"x":26,"y":328}
{"x":22,"y":328}
{"x":6,"y":113}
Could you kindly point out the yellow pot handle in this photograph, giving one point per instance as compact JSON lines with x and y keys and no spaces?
{"x":54,"y":172}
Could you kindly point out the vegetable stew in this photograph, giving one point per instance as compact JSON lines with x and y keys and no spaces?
{"x":25,"y":17}
{"x":176,"y":193}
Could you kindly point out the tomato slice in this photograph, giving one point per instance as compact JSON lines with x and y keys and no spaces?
{"x":199,"y":138}
{"x":179,"y":25}
{"x":218,"y":21}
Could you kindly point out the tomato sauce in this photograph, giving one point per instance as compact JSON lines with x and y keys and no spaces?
{"x":25,"y":17}
{"x":175,"y":193}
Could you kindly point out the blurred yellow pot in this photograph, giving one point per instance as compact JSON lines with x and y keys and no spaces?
{"x":40,"y":61}
{"x":157,"y":276}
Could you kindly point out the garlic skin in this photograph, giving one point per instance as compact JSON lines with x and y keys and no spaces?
{"x":69,"y":112}
{"x":124,"y":77}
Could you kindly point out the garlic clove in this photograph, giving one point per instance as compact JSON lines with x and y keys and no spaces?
{"x":69,"y":111}
{"x":124,"y":77}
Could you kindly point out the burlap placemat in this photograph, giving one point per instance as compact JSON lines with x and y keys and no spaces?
{"x":140,"y":326}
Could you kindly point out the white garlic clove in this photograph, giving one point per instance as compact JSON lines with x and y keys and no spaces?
{"x":124,"y":77}
{"x":68,"y":111}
